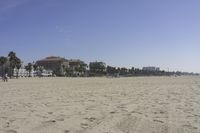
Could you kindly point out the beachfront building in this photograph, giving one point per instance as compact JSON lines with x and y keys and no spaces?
{"x":75,"y":63}
{"x":61,"y":66}
{"x":151,"y":69}
{"x":55,"y":64}
{"x":77,"y":67}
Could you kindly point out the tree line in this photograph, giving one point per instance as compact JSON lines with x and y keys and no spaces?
{"x":11,"y":62}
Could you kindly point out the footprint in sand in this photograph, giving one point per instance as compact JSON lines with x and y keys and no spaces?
{"x":159,"y":121}
{"x":11,"y":131}
{"x":50,"y":113}
{"x":7,"y":124}
{"x":45,"y":123}
{"x":112,"y":112}
{"x":190,"y":127}
{"x":136,"y":112}
{"x":66,"y":131}
{"x":51,"y":121}
{"x":84,"y":125}
{"x":91,"y":119}
{"x":162,"y":112}
{"x":60,"y":119}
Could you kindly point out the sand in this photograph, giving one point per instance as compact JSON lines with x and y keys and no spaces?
{"x":100,"y":105}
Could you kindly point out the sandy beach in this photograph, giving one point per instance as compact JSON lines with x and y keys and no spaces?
{"x":100,"y":105}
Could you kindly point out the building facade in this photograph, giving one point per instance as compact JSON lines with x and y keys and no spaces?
{"x":61,"y":66}
{"x":151,"y":68}
{"x":55,"y":64}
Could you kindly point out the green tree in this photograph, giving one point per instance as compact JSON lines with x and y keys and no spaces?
{"x":111,"y":70}
{"x":15,"y":62}
{"x":123,"y":71}
{"x":18,"y":65}
{"x":82,"y":68}
{"x":29,"y":68}
{"x":67,"y":70}
{"x":132,"y":70}
{"x":35,"y":67}
{"x":97,"y":68}
{"x":12,"y":56}
{"x":3,"y":60}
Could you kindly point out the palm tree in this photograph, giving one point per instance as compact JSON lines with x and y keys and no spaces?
{"x":15,"y":62}
{"x":29,"y":68}
{"x":3,"y":60}
{"x":18,"y":65}
{"x":35,"y":67}
{"x":11,"y":55}
{"x":12,"y":59}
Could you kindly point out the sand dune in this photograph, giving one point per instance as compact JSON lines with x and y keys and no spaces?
{"x":100,"y":105}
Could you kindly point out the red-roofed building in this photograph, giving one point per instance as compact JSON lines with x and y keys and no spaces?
{"x":54,"y":63}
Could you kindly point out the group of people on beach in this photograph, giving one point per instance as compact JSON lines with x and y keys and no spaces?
{"x":5,"y":78}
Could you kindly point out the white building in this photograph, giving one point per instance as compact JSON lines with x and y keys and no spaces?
{"x":22,"y":72}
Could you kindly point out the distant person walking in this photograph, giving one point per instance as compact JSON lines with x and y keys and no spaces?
{"x":5,"y":77}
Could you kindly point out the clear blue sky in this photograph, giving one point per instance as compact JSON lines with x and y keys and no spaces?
{"x":164,"y":33}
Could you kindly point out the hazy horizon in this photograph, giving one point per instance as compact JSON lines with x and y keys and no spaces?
{"x":121,"y":33}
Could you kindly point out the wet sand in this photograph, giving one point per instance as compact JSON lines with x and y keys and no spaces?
{"x":100,"y":105}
